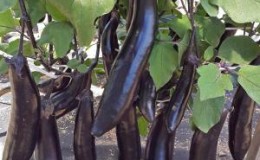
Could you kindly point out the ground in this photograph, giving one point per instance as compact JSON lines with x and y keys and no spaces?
{"x":106,"y":145}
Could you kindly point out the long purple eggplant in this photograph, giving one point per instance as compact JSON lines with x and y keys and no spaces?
{"x":48,"y":144}
{"x":160,"y":143}
{"x":204,"y":145}
{"x":181,"y":94}
{"x":121,"y":87}
{"x":128,"y":138}
{"x":147,"y":96}
{"x":24,"y":123}
{"x":84,"y":142}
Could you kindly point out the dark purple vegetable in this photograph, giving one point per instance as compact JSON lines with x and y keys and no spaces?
{"x":254,"y":149}
{"x":204,"y":145}
{"x":109,"y":43}
{"x":147,"y":96}
{"x":23,"y":126}
{"x":181,"y":94}
{"x":48,"y":144}
{"x":84,"y":142}
{"x":121,"y":87}
{"x":128,"y":138}
{"x":160,"y":143}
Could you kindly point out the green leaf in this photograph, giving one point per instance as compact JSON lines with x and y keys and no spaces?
{"x":7,"y":22}
{"x":205,"y":114}
{"x":209,"y":53}
{"x":3,"y":66}
{"x":36,"y":76}
{"x":248,"y":78}
{"x":60,"y":34}
{"x":211,"y":9}
{"x":239,"y":49}
{"x":73,"y":63}
{"x":13,"y":46}
{"x":81,"y":14}
{"x":36,"y":10}
{"x":180,"y":25}
{"x":183,"y":45}
{"x":82,"y":68}
{"x":212,"y":83}
{"x":164,"y":61}
{"x":211,"y":29}
{"x":143,"y":126}
{"x":240,"y":11}
{"x":6,"y":4}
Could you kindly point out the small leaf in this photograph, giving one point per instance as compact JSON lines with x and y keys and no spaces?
{"x":205,"y":114}
{"x":239,"y":49}
{"x":36,"y":10}
{"x":82,"y":68}
{"x":248,"y":78}
{"x":7,"y":22}
{"x":180,"y":25}
{"x":241,"y":11}
{"x":212,"y":83}
{"x":164,"y":61}
{"x":13,"y":46}
{"x":3,"y":66}
{"x":143,"y":126}
{"x":211,"y":9}
{"x":60,"y":34}
{"x":183,"y":45}
{"x":6,"y":4}
{"x":209,"y":53}
{"x":73,"y":63}
{"x":36,"y":76}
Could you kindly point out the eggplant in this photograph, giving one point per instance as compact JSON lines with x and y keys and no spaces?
{"x":204,"y":145}
{"x":240,"y":124}
{"x":128,"y":138}
{"x":48,"y":144}
{"x":147,"y":96}
{"x":160,"y":143}
{"x":109,"y":42}
{"x":181,"y":94}
{"x":23,"y":129}
{"x":125,"y":74}
{"x":254,"y":149}
{"x":240,"y":121}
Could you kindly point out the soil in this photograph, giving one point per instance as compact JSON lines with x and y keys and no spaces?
{"x":106,"y":145}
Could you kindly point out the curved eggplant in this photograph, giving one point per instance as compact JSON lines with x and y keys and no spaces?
{"x":109,"y":43}
{"x":254,"y":149}
{"x":121,"y":87}
{"x":24,"y":123}
{"x":240,"y":124}
{"x":48,"y":145}
{"x":179,"y":99}
{"x":160,"y":143}
{"x":204,"y":145}
{"x":84,"y":142}
{"x":147,"y":96}
{"x":128,"y":138}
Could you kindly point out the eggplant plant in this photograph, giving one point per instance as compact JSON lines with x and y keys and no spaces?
{"x":159,"y":58}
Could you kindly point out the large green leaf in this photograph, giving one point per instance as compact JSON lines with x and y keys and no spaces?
{"x":81,"y":14}
{"x":60,"y":34}
{"x":180,"y":25}
{"x":7,"y":22}
{"x":239,"y":50}
{"x":205,"y":114}
{"x":212,"y":83}
{"x":240,"y":11}
{"x":211,"y":9}
{"x":163,"y":62}
{"x":6,"y":4}
{"x":211,"y":29}
{"x":248,"y":78}
{"x":36,"y":10}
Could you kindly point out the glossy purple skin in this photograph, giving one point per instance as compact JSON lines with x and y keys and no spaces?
{"x":24,"y":122}
{"x":181,"y":94}
{"x":160,"y":143}
{"x":121,"y":86}
{"x":204,"y":145}
{"x":128,"y":138}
